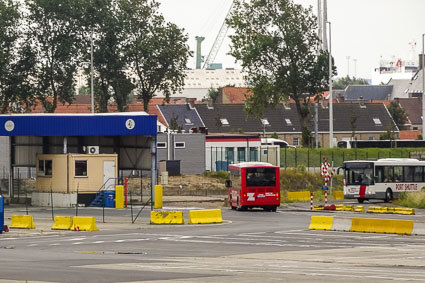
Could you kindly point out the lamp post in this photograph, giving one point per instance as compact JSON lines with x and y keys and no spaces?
{"x":331,"y":116}
{"x":91,"y":72}
{"x":423,"y":89}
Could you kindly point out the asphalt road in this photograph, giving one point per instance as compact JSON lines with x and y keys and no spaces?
{"x":252,"y":246}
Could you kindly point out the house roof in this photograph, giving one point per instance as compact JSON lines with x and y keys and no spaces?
{"x":413,"y":108}
{"x":365,"y":117}
{"x":186,"y":116}
{"x":233,"y":95}
{"x":368,"y":92}
{"x":237,"y":120}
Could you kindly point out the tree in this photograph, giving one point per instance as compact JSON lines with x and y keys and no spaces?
{"x":343,"y":82}
{"x":55,"y":35}
{"x":213,"y":93}
{"x":16,"y":60}
{"x":398,"y":114}
{"x":277,"y":45}
{"x":111,"y":77}
{"x":156,"y":50}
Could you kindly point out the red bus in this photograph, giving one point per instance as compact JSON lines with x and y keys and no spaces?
{"x":254,"y":184}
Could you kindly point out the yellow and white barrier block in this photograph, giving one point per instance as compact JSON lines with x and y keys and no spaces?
{"x":62,"y":223}
{"x":299,"y":196}
{"x":167,"y":217}
{"x":205,"y":216}
{"x":321,"y":223}
{"x":81,"y":223}
{"x":22,"y":222}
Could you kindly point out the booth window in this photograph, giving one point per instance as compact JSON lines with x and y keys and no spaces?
{"x":44,"y":167}
{"x":80,"y":168}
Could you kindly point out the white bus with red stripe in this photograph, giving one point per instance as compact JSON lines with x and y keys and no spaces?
{"x":383,"y":178}
{"x":254,"y":184}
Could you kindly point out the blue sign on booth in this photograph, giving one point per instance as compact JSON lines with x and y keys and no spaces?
{"x":1,"y":214}
{"x":324,"y":188}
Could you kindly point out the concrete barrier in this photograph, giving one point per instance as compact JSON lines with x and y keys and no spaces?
{"x":349,"y":208}
{"x":390,"y":226}
{"x":321,"y":223}
{"x":338,"y":195}
{"x":418,"y":228}
{"x":341,"y":224}
{"x":340,"y":207}
{"x":81,"y":223}
{"x":407,"y":211}
{"x":167,"y":217}
{"x":359,"y":208}
{"x":318,"y":207}
{"x":299,"y":196}
{"x":22,"y":222}
{"x":205,"y":216}
{"x":62,"y":223}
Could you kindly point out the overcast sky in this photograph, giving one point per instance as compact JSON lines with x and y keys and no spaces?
{"x":364,"y":30}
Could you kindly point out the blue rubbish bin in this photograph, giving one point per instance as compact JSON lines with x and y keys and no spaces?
{"x":1,"y":214}
{"x":221,"y":165}
{"x":109,"y":198}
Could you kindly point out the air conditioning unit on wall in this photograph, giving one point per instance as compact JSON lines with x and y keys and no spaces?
{"x":92,"y":149}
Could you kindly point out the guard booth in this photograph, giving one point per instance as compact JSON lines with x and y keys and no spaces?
{"x":79,"y":152}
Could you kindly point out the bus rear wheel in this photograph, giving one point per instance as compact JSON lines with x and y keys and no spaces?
{"x":388,"y":195}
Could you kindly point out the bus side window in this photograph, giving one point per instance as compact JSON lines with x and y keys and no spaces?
{"x":388,"y":174}
{"x":418,"y":174}
{"x":409,"y":172}
{"x":379,"y":177}
{"x":398,"y":174}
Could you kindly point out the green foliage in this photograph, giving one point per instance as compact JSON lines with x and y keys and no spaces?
{"x":293,"y":180}
{"x":412,"y":199}
{"x":343,"y":82}
{"x":156,"y":50}
{"x":16,"y":61}
{"x":213,"y":93}
{"x":222,"y":175}
{"x":274,"y":135}
{"x":398,"y":114}
{"x":55,"y":35}
{"x":388,"y":135}
{"x":276,"y":43}
{"x":311,"y":157}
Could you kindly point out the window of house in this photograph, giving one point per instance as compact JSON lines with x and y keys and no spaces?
{"x":265,"y":122}
{"x":288,"y":121}
{"x":295,"y":142}
{"x":253,"y":154}
{"x":44,"y":167}
{"x":377,"y":121}
{"x":179,"y":145}
{"x":161,"y":145}
{"x":80,"y":168}
{"x":241,"y":154}
{"x":224,"y":122}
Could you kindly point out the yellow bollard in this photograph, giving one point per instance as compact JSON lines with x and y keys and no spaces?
{"x":119,"y":196}
{"x":158,"y":196}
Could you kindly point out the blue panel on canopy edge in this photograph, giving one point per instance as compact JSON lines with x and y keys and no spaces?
{"x":78,"y":125}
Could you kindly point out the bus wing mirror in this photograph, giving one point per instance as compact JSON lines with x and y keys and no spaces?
{"x":228,"y":184}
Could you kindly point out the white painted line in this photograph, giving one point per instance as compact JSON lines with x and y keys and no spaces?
{"x":98,"y":242}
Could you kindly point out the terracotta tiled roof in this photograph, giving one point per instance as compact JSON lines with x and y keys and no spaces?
{"x":236,"y":94}
{"x":409,"y":135}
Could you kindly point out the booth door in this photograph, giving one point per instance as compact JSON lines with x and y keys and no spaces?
{"x":109,"y":174}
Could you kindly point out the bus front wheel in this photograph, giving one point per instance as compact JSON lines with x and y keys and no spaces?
{"x":388,"y":195}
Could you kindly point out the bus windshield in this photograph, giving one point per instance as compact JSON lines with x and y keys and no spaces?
{"x":260,"y":176}
{"x":359,"y":173}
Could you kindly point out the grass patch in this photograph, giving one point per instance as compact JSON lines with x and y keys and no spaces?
{"x":222,"y":175}
{"x":292,"y":180}
{"x":412,"y":200}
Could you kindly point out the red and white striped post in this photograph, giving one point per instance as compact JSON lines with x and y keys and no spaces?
{"x":326,"y":197}
{"x":311,"y":201}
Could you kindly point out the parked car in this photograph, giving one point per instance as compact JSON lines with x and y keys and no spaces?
{"x":272,"y":141}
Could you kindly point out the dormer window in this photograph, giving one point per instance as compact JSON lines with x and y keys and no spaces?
{"x":224,"y":122}
{"x":188,"y":121}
